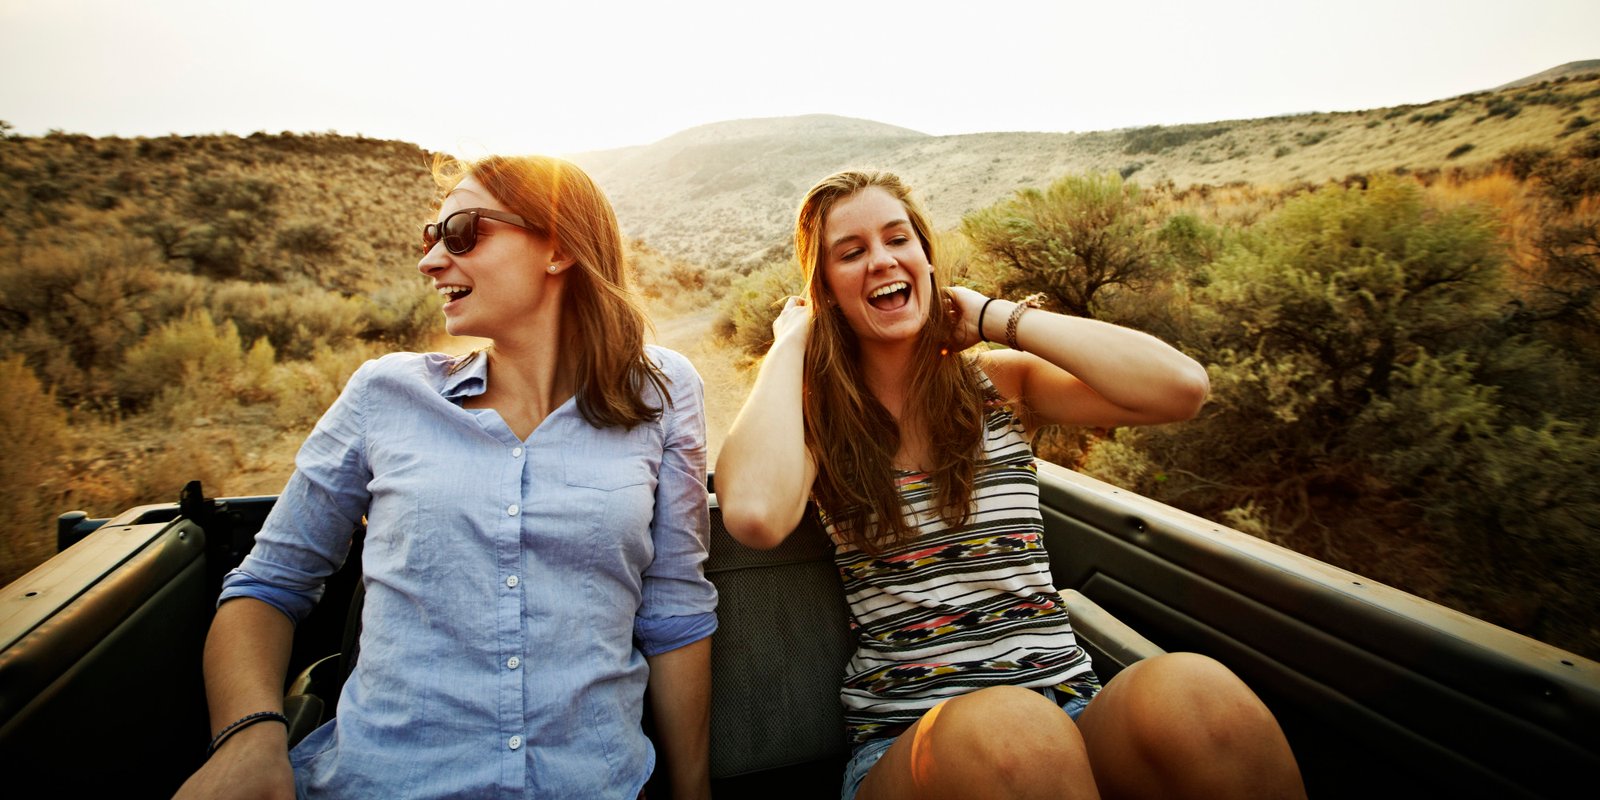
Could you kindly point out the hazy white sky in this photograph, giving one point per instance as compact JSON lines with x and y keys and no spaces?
{"x":492,"y":76}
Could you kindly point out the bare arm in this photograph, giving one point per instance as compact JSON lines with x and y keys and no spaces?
{"x":764,"y":471}
{"x":1076,"y":371}
{"x":246,"y":662}
{"x":680,"y":700}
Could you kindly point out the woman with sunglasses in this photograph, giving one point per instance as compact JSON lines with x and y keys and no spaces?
{"x":536,"y":529}
{"x":918,"y":458}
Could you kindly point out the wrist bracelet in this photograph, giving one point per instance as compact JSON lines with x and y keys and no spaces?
{"x":1031,"y":301}
{"x":242,"y":723}
{"x":981,"y":312}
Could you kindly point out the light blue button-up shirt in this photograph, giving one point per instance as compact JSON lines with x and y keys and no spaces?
{"x":513,"y":588}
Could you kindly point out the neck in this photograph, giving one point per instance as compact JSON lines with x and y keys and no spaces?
{"x":531,"y":372}
{"x":886,"y":368}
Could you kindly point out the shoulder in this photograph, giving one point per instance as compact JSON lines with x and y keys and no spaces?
{"x":671,"y":363}
{"x":681,"y":378}
{"x":1006,"y":370}
{"x":1001,"y":373}
{"x":400,"y":370}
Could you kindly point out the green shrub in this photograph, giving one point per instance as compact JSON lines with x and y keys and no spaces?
{"x":72,"y":313}
{"x":309,"y":238}
{"x":296,"y":319}
{"x":1523,"y":160}
{"x":753,"y":303}
{"x":194,"y":347}
{"x":1159,"y":139}
{"x":1434,"y":117}
{"x":1502,"y":107}
{"x":1071,"y":241}
{"x":35,"y":432}
{"x":305,"y":389}
{"x":403,"y":316}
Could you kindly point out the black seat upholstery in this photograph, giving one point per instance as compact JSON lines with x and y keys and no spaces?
{"x":782,"y":640}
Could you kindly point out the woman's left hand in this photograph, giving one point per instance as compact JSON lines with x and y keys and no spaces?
{"x":963,"y":304}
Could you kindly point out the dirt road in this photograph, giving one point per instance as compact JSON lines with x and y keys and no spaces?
{"x":726,"y":384}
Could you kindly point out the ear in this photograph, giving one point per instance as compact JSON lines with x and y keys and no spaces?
{"x":559,"y":263}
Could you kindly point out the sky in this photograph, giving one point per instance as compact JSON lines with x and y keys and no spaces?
{"x":474,"y":78}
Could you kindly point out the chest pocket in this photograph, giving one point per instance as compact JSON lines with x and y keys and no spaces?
{"x":613,"y":458}
{"x":611,"y":484}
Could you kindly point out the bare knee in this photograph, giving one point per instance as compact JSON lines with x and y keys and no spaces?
{"x":1011,"y":742}
{"x":1187,"y":720}
{"x":1017,"y":733}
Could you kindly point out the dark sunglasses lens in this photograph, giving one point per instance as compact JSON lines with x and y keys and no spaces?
{"x":460,"y":232}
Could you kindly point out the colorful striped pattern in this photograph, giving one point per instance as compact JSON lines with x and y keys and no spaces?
{"x":954,"y":610}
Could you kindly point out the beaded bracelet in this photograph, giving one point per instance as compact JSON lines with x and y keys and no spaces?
{"x":1031,"y":301}
{"x":242,"y":723}
{"x":981,"y":312}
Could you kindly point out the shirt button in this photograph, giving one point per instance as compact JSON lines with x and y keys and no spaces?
{"x":512,"y":581}
{"x":515,"y":742}
{"x":511,"y":510}
{"x":516,"y":452}
{"x":513,"y":662}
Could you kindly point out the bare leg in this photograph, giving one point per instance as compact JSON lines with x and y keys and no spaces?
{"x":1182,"y":725}
{"x":1003,"y":742}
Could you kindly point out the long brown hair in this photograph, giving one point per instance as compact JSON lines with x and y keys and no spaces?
{"x":850,"y":434}
{"x":601,"y":318}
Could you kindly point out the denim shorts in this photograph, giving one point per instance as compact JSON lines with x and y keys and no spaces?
{"x":867,"y":753}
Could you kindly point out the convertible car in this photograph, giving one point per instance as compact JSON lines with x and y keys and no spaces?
{"x":1381,"y":693}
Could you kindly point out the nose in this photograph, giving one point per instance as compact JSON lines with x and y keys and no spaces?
{"x":879,"y":258}
{"x":437,"y":258}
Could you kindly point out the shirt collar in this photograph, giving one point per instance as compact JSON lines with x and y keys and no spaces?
{"x":467,"y":376}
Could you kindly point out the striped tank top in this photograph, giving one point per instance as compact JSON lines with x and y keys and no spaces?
{"x":953,"y":610}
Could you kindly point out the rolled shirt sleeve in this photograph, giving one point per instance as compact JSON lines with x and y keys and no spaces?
{"x":678,"y":604}
{"x":306,"y":536}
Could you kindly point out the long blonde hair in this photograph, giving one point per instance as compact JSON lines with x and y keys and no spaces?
{"x":603,"y":320}
{"x":850,"y":434}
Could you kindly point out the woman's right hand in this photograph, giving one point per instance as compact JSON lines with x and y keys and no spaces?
{"x":253,"y":764}
{"x":794,"y":320}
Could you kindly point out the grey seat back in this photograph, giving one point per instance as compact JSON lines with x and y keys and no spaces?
{"x":778,"y":658}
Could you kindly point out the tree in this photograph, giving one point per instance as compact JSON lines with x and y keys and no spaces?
{"x":1071,"y":241}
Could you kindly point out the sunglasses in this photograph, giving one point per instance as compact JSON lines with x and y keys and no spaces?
{"x":459,"y":231}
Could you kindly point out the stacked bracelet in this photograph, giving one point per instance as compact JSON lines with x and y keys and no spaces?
{"x":1031,"y":301}
{"x":242,"y":723}
{"x":981,"y":312}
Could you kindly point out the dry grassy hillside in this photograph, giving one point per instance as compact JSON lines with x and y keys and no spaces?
{"x":725,"y":194}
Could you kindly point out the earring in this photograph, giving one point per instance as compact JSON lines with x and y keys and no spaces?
{"x":552,"y":269}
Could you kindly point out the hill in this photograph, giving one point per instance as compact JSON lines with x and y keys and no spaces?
{"x":1571,"y":69}
{"x":725,"y":193}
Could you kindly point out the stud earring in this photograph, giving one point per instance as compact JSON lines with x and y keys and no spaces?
{"x":552,"y":269}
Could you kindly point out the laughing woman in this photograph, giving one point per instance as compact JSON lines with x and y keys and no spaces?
{"x":536,"y":532}
{"x":967,"y":681}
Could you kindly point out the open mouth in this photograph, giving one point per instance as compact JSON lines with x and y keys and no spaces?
{"x":890,"y":296}
{"x":453,"y":293}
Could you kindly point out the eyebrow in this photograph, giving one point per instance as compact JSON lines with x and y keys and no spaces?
{"x":890,"y":224}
